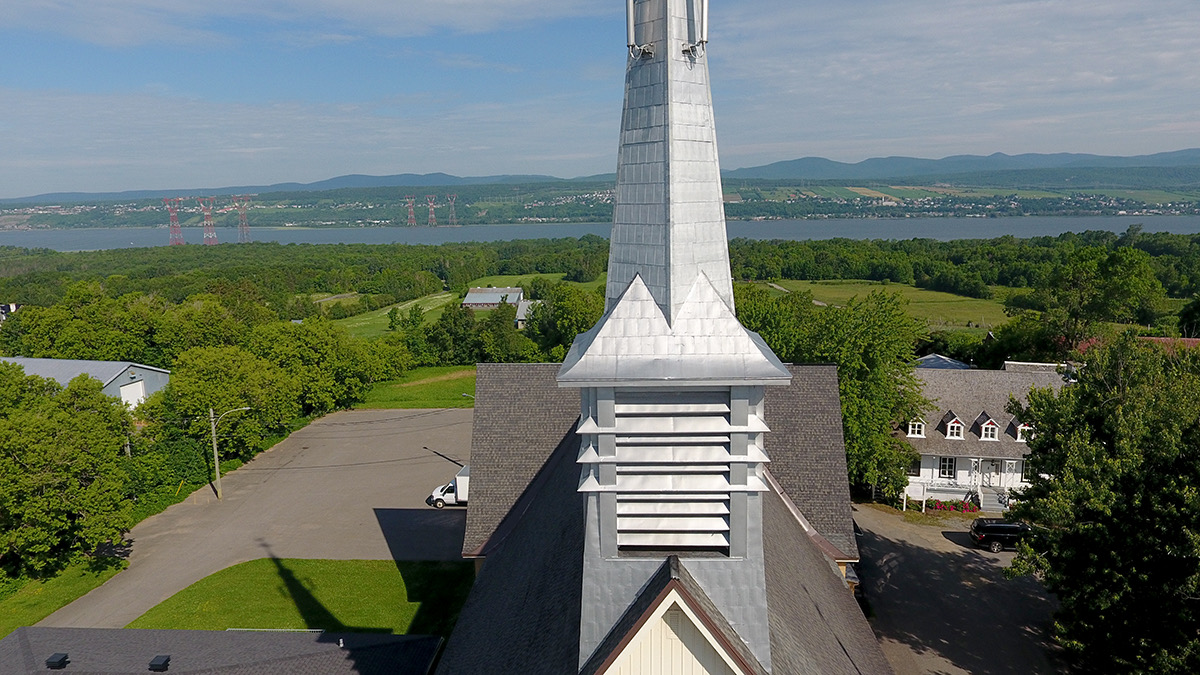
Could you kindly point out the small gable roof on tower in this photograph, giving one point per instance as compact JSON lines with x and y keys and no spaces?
{"x":634,"y":342}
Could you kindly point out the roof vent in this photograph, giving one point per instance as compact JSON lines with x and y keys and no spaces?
{"x":160,"y":663}
{"x":57,"y":661}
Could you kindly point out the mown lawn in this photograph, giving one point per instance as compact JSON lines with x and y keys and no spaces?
{"x":374,"y":324}
{"x":433,"y":387}
{"x":941,"y":310}
{"x":36,"y":600}
{"x":376,"y":596}
{"x":514,"y":280}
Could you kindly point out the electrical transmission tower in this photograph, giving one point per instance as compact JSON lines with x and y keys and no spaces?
{"x":210,"y":230}
{"x":432,"y":201}
{"x":412,"y":214}
{"x":173,"y":208}
{"x":452,"y":221}
{"x":242,"y":202}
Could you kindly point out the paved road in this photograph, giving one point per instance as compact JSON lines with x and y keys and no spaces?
{"x":943,"y":606}
{"x":348,"y":486}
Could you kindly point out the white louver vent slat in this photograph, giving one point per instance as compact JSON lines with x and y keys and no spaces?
{"x":673,"y":524}
{"x":672,"y":508}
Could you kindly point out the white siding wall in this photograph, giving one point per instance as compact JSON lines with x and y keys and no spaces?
{"x":670,"y":645}
{"x":931,"y":474}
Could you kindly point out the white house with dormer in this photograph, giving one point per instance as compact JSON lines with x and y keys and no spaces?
{"x":968,"y":442}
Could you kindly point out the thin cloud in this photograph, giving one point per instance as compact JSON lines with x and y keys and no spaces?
{"x":134,"y":22}
{"x":915,"y":75}
{"x":118,"y":142}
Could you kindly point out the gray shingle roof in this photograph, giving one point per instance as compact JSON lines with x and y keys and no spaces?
{"x":65,"y":370}
{"x":808,"y":453}
{"x":101,"y":650}
{"x":969,"y":393}
{"x":521,"y":414}
{"x":523,"y":613}
{"x":816,"y":626}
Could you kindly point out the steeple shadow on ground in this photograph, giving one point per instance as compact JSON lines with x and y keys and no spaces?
{"x":423,"y":534}
{"x":370,"y":650}
{"x":427,"y":548}
{"x":955,"y":609}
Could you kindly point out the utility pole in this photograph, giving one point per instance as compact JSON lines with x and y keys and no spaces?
{"x":213,"y":420}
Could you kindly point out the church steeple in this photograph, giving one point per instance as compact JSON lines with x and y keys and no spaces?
{"x":669,"y":224}
{"x":671,"y":385}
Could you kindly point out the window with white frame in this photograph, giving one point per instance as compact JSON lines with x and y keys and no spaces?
{"x":988,"y":433}
{"x":1022,"y":433}
{"x":954,"y":430}
{"x":946,"y":466}
{"x":916,"y":429}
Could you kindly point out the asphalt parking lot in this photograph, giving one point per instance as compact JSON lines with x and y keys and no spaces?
{"x":941,"y":605}
{"x":349,"y":486}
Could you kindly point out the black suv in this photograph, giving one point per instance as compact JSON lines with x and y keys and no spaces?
{"x":996,"y":534}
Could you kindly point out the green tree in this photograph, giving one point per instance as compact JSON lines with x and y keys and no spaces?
{"x":62,"y":489}
{"x":454,"y":336}
{"x":1116,"y":510}
{"x":1092,"y":285}
{"x":566,"y":311}
{"x":1189,"y":318}
{"x":224,"y":378}
{"x":871,"y":341}
{"x":333,"y":369}
{"x":501,"y":342}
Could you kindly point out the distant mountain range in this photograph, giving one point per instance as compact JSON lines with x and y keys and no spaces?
{"x":818,"y":168}
{"x":807,"y":168}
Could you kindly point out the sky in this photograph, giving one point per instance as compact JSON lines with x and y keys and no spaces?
{"x":109,"y":95}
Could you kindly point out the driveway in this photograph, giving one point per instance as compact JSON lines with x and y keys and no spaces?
{"x":349,"y":486}
{"x":941,"y":605}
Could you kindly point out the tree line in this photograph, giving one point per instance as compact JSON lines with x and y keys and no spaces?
{"x":1116,"y":451}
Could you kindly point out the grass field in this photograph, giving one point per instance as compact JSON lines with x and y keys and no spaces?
{"x":941,"y":310}
{"x":37,"y":600}
{"x":374,"y":324}
{"x":514,"y":280}
{"x":433,"y":387}
{"x":376,"y":596}
{"x":1150,"y":196}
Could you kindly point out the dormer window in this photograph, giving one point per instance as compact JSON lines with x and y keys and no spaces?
{"x":954,"y":430}
{"x":1023,"y":431}
{"x":986,"y":427}
{"x":916,"y":429}
{"x":952,"y":425}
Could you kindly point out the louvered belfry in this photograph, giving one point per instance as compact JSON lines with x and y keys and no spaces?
{"x":671,"y":384}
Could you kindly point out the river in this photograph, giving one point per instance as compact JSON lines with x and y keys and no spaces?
{"x":884,"y":228}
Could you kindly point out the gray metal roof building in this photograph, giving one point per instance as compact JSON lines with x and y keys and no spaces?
{"x":492,"y":297}
{"x":128,"y":381}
